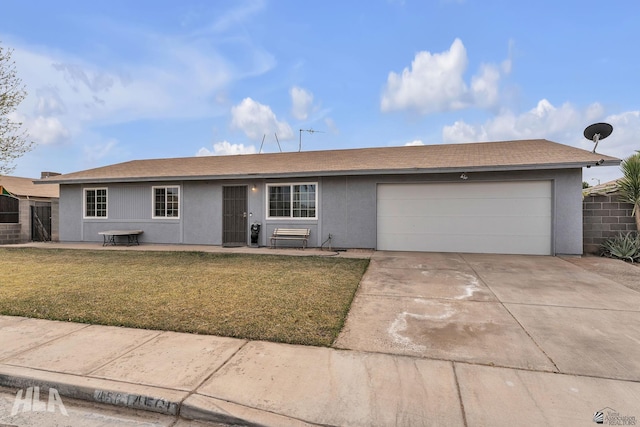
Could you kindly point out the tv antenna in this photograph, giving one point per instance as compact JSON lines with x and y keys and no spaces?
{"x":277,"y":140}
{"x":306,"y":130}
{"x":597,"y":132}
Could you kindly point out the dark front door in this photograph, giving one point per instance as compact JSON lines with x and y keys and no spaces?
{"x":234,"y":219}
{"x":41,"y":223}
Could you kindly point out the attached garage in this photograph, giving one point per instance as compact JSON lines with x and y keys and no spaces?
{"x":476,"y":217}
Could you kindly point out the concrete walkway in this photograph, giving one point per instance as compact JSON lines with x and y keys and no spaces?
{"x":536,"y":341}
{"x":263,"y":250}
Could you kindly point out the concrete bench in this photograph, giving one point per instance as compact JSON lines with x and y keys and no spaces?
{"x":290,"y":234}
{"x":109,"y":237}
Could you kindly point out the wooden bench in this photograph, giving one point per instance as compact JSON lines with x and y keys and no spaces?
{"x":109,"y":237}
{"x":290,"y":234}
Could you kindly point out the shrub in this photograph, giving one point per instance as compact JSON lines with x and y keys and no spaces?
{"x":624,"y":246}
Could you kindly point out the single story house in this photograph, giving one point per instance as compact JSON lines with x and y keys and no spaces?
{"x":520,"y":197}
{"x":27,"y":211}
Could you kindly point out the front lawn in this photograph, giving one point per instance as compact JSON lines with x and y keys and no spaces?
{"x":298,"y":300}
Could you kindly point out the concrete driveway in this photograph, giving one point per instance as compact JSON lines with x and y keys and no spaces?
{"x":534,"y":313}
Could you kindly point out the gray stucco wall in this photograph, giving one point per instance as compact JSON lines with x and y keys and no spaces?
{"x":346,"y":209}
{"x":202,"y":213}
{"x":70,"y":221}
{"x":349,"y":205}
{"x":349,"y":211}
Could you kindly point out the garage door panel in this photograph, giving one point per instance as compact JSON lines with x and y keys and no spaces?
{"x":468,"y":190}
{"x":501,"y":226}
{"x":506,"y":217}
{"x":464,"y":207}
{"x":489,"y":244}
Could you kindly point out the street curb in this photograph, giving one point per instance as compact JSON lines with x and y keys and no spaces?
{"x":206,"y":408}
{"x":140,"y":397}
{"x":133,"y":396}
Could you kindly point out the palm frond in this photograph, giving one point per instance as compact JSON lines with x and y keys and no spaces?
{"x":630,"y":183}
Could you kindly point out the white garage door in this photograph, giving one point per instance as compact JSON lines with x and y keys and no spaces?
{"x":496,"y":217}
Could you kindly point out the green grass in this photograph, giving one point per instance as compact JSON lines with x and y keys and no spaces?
{"x":298,"y":300}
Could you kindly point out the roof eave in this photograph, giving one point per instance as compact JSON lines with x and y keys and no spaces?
{"x":352,"y":172}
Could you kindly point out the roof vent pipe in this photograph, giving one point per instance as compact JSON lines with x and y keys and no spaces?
{"x":44,"y":175}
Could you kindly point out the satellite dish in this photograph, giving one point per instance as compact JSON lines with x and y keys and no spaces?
{"x":596,"y":132}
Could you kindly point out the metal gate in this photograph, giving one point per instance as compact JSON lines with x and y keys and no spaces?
{"x":41,"y":223}
{"x":234,"y":220}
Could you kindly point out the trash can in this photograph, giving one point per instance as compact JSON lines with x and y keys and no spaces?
{"x":255,"y":232}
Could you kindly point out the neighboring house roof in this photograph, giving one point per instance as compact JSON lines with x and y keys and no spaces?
{"x":486,"y":156}
{"x":24,"y":187}
{"x":603,"y":189}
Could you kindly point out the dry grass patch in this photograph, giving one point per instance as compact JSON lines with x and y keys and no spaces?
{"x":299,"y":300}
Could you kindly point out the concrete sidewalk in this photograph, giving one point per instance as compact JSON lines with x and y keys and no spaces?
{"x":235,"y":381}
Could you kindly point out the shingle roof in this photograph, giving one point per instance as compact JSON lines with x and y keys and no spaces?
{"x":602,"y":189}
{"x":486,"y":156}
{"x":25,"y":187}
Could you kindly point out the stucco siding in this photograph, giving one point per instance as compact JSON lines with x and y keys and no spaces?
{"x":349,"y":205}
{"x":129,"y":201}
{"x":202,"y":213}
{"x":156,"y":231}
{"x":361,"y":212}
{"x":333,"y":211}
{"x":256,"y":206}
{"x":346,"y":209}
{"x":568,"y":212}
{"x":70,"y":220}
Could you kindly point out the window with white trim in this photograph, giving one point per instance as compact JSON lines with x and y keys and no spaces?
{"x":166,"y":202}
{"x":95,"y":202}
{"x":292,"y":200}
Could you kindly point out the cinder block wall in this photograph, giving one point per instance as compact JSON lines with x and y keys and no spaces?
{"x":9,"y":234}
{"x":25,"y":220}
{"x":604,"y":217}
{"x":55,"y":220}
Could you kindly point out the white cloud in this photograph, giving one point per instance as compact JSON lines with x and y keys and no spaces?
{"x":415,"y":142}
{"x":542,"y":121}
{"x":302,"y":101}
{"x":622,"y":143}
{"x":47,"y":130}
{"x":257,"y":120}
{"x":435,"y":82}
{"x":563,"y":124}
{"x":49,"y":102}
{"x":183,"y":76}
{"x":225,"y":148}
{"x":42,"y":130}
{"x":180,"y":85}
{"x":484,"y":87}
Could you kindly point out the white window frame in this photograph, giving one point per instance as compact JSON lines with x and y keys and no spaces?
{"x":153,"y":201}
{"x":84,"y":203}
{"x":291,"y":217}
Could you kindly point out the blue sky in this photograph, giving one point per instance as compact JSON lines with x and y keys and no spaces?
{"x":113,"y":81}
